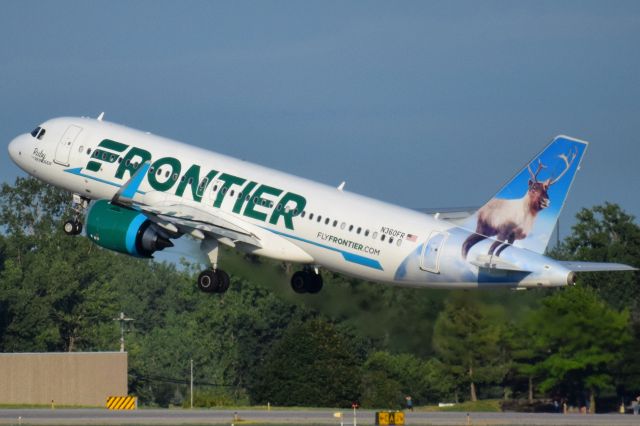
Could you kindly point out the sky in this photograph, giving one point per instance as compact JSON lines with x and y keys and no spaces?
{"x":422,"y":104}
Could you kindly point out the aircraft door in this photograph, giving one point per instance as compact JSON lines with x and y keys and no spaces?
{"x":63,"y":150}
{"x":429,"y":261}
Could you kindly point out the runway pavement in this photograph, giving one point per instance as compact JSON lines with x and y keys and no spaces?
{"x":293,"y":417}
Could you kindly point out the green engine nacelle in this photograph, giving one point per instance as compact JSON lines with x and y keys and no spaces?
{"x":123,"y":230}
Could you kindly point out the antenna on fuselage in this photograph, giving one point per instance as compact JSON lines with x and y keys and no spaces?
{"x":101,"y":116}
{"x":341,"y":186}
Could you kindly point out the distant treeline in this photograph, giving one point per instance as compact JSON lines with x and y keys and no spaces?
{"x":354,"y":342}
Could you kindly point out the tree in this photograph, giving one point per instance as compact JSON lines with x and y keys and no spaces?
{"x":468,"y":338}
{"x":582,"y":338}
{"x":313,"y":364}
{"x":607,"y":234}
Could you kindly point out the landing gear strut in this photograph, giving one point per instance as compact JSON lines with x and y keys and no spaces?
{"x":79,"y":205}
{"x":306,"y":281}
{"x":212,"y":280}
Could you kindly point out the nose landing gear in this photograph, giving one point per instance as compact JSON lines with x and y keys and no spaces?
{"x":79,"y":205}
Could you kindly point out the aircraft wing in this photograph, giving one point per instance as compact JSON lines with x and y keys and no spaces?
{"x":199,"y":223}
{"x":177,"y":217}
{"x":595,"y":266}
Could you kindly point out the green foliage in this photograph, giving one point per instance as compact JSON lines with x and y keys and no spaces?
{"x":607,"y":234}
{"x":581,"y":337}
{"x":469,"y":339}
{"x":313,"y":364}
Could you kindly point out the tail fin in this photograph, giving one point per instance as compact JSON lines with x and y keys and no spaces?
{"x":524,"y":212}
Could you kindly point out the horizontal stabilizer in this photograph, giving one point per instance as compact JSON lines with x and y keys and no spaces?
{"x":596,"y":266}
{"x":494,"y":262}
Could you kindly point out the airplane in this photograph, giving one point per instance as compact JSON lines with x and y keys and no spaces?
{"x":137,"y":192}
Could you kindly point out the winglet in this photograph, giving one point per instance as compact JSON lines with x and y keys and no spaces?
{"x":127,"y":191}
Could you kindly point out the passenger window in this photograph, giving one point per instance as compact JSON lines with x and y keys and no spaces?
{"x":166,"y":174}
{"x":366,"y":233}
{"x":399,"y":243}
{"x":342,"y":225}
{"x":255,"y":200}
{"x":239,"y":194}
{"x":150,"y":169}
{"x":335,"y":223}
{"x":375,"y":235}
{"x":81,"y":149}
{"x":279,"y":207}
{"x":119,"y":160}
{"x":319,"y":219}
{"x":358,"y":231}
{"x":390,"y":240}
{"x":231,"y":193}
{"x":382,"y":237}
{"x":303,"y":213}
{"x":310,"y":216}
{"x":326,"y":221}
{"x":104,"y":155}
{"x":88,"y":151}
{"x":350,"y":228}
{"x":159,"y":172}
{"x":224,"y":190}
{"x":175,"y":176}
{"x":215,"y":188}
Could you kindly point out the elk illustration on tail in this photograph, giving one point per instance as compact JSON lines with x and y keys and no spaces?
{"x":512,"y":219}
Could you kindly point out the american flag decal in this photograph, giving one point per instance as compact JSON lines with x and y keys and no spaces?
{"x":412,"y":238}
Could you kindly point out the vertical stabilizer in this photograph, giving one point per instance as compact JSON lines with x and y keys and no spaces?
{"x":524,"y":212}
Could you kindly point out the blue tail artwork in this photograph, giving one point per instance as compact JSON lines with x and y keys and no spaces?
{"x":524,"y":212}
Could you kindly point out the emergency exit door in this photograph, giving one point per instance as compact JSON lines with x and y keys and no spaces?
{"x":430,"y":259}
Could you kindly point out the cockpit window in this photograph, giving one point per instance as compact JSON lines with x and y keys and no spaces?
{"x":38,"y":132}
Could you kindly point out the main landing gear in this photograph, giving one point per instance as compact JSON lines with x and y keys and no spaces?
{"x":79,"y":205}
{"x":212,"y":280}
{"x":306,"y":281}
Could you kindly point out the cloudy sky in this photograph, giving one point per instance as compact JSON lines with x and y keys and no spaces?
{"x":424,"y":104}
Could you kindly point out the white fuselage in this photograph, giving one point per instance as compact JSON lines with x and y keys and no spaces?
{"x":338,"y":230}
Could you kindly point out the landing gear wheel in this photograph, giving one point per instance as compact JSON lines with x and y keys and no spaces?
{"x":72,"y":227}
{"x":298,"y":281}
{"x":210,"y":281}
{"x":306,"y":281}
{"x":224,"y":281}
{"x":314,"y":284}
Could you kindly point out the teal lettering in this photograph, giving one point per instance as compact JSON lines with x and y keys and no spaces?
{"x":192,"y":178}
{"x":168,"y":182}
{"x":135,"y":155}
{"x":295,"y":203}
{"x":257,"y":199}
{"x":228,"y":180}
{"x":246,"y":191}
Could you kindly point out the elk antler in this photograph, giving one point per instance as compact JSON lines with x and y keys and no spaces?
{"x":534,"y":176}
{"x":568,"y":163}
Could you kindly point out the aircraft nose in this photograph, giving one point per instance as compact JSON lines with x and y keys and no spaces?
{"x":15,"y":148}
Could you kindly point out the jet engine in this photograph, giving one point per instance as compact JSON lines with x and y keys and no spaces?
{"x":124,"y":230}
